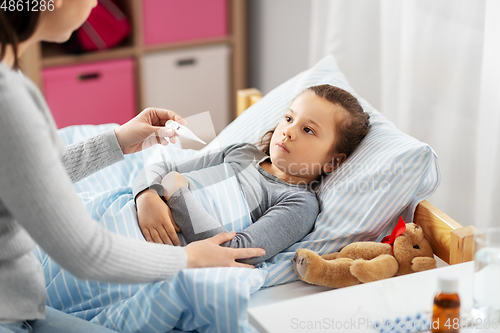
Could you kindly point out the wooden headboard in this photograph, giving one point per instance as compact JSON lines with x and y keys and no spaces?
{"x":449,"y":240}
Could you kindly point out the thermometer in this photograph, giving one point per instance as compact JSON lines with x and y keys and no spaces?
{"x":183,"y":131}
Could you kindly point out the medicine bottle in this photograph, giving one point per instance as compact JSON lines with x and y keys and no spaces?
{"x":446,"y":308}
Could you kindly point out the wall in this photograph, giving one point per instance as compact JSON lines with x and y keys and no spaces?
{"x":278,"y":41}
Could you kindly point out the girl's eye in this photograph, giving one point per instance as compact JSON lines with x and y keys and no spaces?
{"x":308,"y":130}
{"x":288,"y":118}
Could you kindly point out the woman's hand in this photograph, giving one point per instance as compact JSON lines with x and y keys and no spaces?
{"x":209,"y":253}
{"x":155,"y":219}
{"x":147,"y":129}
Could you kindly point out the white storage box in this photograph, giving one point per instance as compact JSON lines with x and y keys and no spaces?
{"x":190,"y":82}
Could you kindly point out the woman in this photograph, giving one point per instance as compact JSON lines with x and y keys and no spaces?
{"x":38,"y":203}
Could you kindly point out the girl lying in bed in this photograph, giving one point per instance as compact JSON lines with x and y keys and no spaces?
{"x":322,"y":127}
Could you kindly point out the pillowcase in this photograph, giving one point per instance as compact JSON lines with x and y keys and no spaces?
{"x":386,"y":177}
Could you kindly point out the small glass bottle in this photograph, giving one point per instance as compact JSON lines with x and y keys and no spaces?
{"x":446,"y":309}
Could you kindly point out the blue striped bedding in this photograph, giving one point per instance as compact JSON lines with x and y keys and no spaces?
{"x":207,"y":300}
{"x":387,"y":176}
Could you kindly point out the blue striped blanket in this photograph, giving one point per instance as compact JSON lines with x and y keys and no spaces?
{"x":206,"y":300}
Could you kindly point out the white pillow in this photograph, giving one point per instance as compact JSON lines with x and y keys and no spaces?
{"x":387,"y":176}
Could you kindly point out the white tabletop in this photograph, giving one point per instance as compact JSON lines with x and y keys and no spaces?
{"x":350,"y":309}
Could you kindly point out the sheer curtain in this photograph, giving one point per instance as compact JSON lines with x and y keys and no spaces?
{"x":433,"y":68}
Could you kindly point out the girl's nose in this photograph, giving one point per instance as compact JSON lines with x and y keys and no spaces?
{"x":287,"y":135}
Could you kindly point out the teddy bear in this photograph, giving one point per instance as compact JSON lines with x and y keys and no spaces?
{"x":405,"y":251}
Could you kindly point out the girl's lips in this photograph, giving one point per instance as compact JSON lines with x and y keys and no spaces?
{"x":282,"y":147}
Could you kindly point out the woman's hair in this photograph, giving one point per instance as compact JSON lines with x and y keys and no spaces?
{"x":351,"y":130}
{"x":16,"y":27}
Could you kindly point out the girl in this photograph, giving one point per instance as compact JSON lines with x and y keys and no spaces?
{"x":38,"y":203}
{"x":322,"y":127}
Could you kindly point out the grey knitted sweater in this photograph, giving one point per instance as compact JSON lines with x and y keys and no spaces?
{"x":38,"y":205}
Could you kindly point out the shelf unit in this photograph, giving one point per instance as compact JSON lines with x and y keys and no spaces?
{"x":45,"y":55}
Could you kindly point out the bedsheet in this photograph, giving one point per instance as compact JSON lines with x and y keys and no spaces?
{"x":205,"y":300}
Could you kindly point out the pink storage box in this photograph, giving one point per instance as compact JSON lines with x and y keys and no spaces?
{"x":168,"y":21}
{"x":93,"y":93}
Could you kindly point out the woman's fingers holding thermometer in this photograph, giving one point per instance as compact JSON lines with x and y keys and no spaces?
{"x":160,"y":117}
{"x":165,"y":132}
{"x":166,"y":135}
{"x":164,"y":115}
{"x":162,"y":140}
{"x":146,"y":129}
{"x":183,"y":131}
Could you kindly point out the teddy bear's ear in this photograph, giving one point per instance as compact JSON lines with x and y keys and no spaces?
{"x":411,"y":245}
{"x":419,"y":231}
{"x":414,"y":231}
{"x":415,"y":240}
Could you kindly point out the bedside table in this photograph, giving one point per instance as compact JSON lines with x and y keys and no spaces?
{"x":352,"y":309}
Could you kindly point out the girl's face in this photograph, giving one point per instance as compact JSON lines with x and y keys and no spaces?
{"x":302,"y":143}
{"x":67,"y":16}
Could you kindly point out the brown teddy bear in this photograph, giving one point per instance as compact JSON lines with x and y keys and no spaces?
{"x":405,"y":251}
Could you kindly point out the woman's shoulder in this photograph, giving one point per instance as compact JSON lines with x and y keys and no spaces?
{"x":23,"y":107}
{"x":15,"y":88}
{"x":10,"y":80}
{"x":14,"y":96}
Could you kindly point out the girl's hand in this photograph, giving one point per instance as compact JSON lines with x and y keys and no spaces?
{"x":209,"y":253}
{"x":147,"y":129}
{"x":155,"y":219}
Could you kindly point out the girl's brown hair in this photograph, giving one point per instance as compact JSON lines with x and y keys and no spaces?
{"x":351,"y":130}
{"x":16,"y":27}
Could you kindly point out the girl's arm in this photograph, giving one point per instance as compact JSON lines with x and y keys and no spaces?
{"x":152,"y":175}
{"x":281,"y":226}
{"x":154,"y":217}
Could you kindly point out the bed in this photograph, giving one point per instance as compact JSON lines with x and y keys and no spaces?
{"x":389,"y":175}
{"x":451,"y":242}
